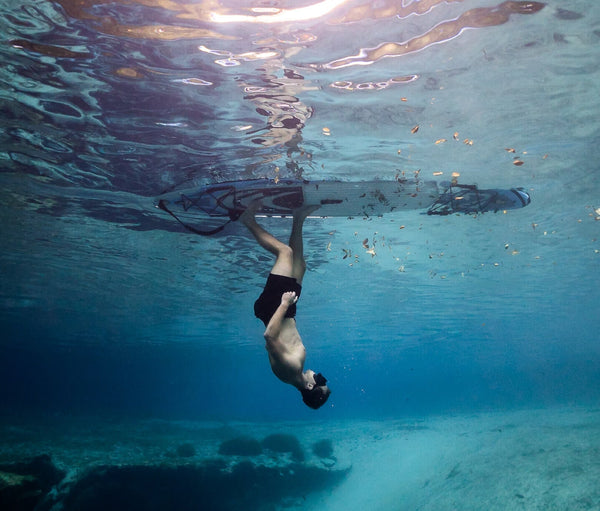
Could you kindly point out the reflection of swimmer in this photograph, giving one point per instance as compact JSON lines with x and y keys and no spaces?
{"x":286,"y":114}
{"x":276,"y":307}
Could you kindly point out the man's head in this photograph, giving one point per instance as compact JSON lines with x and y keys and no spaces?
{"x":316,"y":391}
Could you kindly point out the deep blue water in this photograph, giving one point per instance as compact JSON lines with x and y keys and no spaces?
{"x":108,"y":306}
{"x":108,"y":303}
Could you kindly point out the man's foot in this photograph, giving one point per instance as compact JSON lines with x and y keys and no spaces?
{"x":302,"y":212}
{"x":250,"y":212}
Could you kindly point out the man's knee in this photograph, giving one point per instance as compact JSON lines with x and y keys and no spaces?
{"x":285,"y":252}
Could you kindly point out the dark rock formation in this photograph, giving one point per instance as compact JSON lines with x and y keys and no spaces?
{"x":26,"y":485}
{"x":243,"y":486}
{"x":241,"y":446}
{"x":282,"y":443}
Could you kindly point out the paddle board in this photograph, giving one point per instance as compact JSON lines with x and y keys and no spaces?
{"x":194,"y":207}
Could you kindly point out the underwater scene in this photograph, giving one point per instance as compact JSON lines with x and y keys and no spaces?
{"x":325,"y":255}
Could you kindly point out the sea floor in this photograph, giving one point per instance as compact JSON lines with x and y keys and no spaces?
{"x":544,"y":459}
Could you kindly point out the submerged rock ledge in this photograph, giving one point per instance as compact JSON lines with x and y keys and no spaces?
{"x":215,"y":484}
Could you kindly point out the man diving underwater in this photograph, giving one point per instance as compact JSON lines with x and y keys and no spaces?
{"x":276,"y":307}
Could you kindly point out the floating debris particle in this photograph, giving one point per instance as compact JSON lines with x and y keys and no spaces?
{"x":545,"y":156}
{"x":415,"y":129}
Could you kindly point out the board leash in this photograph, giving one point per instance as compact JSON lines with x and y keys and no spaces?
{"x":234,"y":214}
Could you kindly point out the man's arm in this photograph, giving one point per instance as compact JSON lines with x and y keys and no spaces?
{"x":274,"y":326}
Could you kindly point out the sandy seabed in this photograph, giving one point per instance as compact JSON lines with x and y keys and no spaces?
{"x":526,"y":460}
{"x":544,"y":459}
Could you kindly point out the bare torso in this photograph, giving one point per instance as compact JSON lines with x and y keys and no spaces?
{"x":287,"y":353}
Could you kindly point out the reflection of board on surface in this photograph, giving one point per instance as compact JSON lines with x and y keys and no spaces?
{"x":196,"y":208}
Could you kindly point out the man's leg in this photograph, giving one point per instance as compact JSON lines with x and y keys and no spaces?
{"x":284,"y":258}
{"x":296,"y":242}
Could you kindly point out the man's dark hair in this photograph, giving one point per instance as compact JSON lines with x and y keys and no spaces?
{"x":315,"y":397}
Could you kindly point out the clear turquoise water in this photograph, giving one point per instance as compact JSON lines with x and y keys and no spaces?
{"x":493,"y":310}
{"x":108,"y":306}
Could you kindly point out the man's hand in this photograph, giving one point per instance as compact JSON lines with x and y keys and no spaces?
{"x":289,"y":298}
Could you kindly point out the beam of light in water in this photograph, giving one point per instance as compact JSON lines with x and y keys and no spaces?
{"x":310,"y":12}
{"x":445,"y":31}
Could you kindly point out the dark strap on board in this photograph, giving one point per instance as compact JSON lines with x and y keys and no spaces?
{"x":285,"y":198}
{"x":233,"y":215}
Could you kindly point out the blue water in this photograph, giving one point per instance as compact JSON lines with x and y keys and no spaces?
{"x":110,"y":308}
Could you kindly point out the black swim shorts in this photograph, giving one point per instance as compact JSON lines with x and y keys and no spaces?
{"x":270,"y":299}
